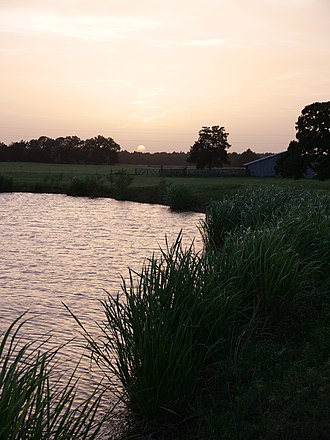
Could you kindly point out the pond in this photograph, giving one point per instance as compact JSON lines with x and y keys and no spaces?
{"x":56,"y":249}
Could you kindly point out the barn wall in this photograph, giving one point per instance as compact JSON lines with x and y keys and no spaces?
{"x":263,"y":168}
{"x":266,"y":168}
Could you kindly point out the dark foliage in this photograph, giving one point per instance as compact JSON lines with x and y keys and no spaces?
{"x":238,"y":160}
{"x":69,"y":149}
{"x":101,"y":150}
{"x":312,"y":148}
{"x":292,"y":164}
{"x":161,"y":158}
{"x":210,"y":150}
{"x":6,"y":183}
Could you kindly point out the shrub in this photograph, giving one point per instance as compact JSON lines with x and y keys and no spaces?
{"x":121,"y":183}
{"x":186,"y":314}
{"x":6,"y":183}
{"x":87,"y":186}
{"x":180,"y":197}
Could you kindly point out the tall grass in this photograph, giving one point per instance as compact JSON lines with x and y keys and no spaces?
{"x":266,"y":270}
{"x":246,"y":209}
{"x":163,"y":330}
{"x":34,"y":404}
{"x":186,"y":315}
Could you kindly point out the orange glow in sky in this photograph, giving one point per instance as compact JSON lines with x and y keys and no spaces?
{"x":153,"y":72}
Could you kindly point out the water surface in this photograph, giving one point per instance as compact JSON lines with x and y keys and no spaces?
{"x":57,"y":249}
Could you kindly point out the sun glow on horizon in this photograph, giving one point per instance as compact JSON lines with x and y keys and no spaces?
{"x":141,"y":149}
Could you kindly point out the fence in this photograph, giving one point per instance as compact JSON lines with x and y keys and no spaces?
{"x":190,"y":172}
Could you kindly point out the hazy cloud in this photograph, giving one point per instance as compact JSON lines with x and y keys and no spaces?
{"x":95,"y":28}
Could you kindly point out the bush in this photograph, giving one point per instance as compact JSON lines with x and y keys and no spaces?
{"x":120,"y":183}
{"x":180,"y":197}
{"x":163,"y":330}
{"x":87,"y":186}
{"x":6,"y":183}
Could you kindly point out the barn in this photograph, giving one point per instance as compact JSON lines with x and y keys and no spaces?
{"x":265,"y":167}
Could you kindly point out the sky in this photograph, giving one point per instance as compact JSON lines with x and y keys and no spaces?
{"x":153,"y":72}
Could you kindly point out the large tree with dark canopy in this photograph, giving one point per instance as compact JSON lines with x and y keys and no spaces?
{"x":210,"y":150}
{"x":312,"y":148}
{"x":100,"y":150}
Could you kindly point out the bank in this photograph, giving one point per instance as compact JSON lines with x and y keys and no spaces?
{"x":122,"y":183}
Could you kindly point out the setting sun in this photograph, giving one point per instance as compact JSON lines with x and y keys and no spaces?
{"x":141,"y":149}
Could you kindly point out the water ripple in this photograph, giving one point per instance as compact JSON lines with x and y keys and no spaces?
{"x":55,"y":249}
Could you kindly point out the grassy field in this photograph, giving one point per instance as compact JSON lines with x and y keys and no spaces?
{"x":56,"y":178}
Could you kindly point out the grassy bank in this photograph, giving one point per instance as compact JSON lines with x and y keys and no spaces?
{"x":232,"y":343}
{"x":121,"y":182}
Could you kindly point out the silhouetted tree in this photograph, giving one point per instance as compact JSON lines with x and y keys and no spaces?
{"x":4,"y":152}
{"x":162,"y":158}
{"x":100,"y":150}
{"x":40,"y":150}
{"x":210,"y":150}
{"x":68,"y":149}
{"x":239,"y":159}
{"x":312,"y":148}
{"x":249,"y":156}
{"x":292,"y":163}
{"x":17,"y":151}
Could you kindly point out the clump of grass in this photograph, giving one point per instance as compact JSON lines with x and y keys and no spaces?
{"x":263,"y":267}
{"x":33,"y":403}
{"x":162,"y":331}
{"x":150,"y":334}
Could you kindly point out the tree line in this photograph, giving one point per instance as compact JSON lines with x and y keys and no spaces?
{"x":310,"y":150}
{"x":69,"y":149}
{"x":100,"y":150}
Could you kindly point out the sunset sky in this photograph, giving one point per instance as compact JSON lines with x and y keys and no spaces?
{"x":153,"y":72}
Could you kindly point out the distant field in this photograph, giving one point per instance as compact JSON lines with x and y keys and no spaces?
{"x":53,"y":178}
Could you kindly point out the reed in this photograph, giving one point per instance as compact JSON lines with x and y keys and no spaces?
{"x":246,"y":209}
{"x":33,"y":402}
{"x":162,"y":331}
{"x":266,"y":270}
{"x":187,"y":315}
